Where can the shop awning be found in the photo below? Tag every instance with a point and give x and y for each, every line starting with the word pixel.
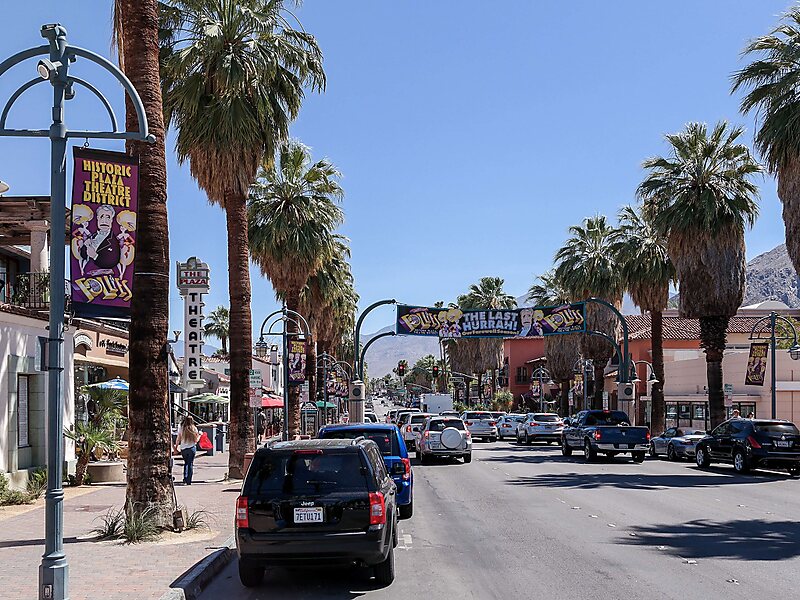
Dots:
pixel 271 402
pixel 174 388
pixel 209 399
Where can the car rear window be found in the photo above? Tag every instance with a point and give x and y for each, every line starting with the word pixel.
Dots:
pixel 418 418
pixel 616 417
pixel 301 473
pixel 442 424
pixel 479 415
pixel 385 439
pixel 783 428
pixel 545 418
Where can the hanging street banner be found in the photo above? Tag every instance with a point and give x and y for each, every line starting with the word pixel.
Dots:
pixel 105 193
pixel 297 362
pixel 484 323
pixel 757 364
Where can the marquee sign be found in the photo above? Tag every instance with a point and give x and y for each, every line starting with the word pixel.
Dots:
pixel 193 282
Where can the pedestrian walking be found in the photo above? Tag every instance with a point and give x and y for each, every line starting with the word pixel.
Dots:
pixel 736 414
pixel 262 424
pixel 186 444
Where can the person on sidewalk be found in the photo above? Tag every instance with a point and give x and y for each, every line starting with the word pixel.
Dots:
pixel 262 424
pixel 186 444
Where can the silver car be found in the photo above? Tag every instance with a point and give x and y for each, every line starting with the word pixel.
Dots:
pixel 444 436
pixel 480 424
pixel 507 425
pixel 676 443
pixel 546 427
pixel 411 426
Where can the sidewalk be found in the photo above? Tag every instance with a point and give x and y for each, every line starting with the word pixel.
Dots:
pixel 111 570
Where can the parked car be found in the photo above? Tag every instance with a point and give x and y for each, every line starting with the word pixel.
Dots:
pixel 394 451
pixel 539 427
pixel 507 425
pixel 480 424
pixel 604 431
pixel 752 443
pixel 370 417
pixel 445 436
pixel 411 426
pixel 676 443
pixel 305 499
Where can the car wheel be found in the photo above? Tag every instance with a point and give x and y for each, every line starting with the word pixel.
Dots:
pixel 407 510
pixel 565 449
pixel 740 462
pixel 384 571
pixel 588 452
pixel 519 439
pixel 671 454
pixel 250 574
pixel 468 458
pixel 528 440
pixel 653 453
pixel 638 457
pixel 701 458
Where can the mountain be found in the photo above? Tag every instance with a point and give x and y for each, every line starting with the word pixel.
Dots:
pixel 771 276
pixel 384 354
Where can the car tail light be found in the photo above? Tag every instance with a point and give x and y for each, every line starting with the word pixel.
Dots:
pixel 308 452
pixel 753 442
pixel 426 435
pixel 377 508
pixel 467 423
pixel 407 464
pixel 532 424
pixel 647 436
pixel 597 434
pixel 408 428
pixel 492 423
pixel 242 513
pixel 468 434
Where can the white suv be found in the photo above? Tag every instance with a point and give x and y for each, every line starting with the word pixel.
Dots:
pixel 410 428
pixel 546 427
pixel 446 437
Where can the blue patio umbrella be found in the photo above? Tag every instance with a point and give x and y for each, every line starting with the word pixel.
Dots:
pixel 112 384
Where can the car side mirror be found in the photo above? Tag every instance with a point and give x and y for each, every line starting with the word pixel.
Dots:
pixel 566 421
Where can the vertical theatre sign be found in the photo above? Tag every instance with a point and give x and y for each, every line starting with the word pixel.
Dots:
pixel 193 282
pixel 105 190
pixel 757 363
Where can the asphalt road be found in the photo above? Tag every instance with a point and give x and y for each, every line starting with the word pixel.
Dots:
pixel 521 522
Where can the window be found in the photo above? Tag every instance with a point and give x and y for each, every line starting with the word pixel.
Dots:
pixel 670 432
pixel 684 411
pixel 699 411
pixel 23 411
pixel 672 411
pixel 301 474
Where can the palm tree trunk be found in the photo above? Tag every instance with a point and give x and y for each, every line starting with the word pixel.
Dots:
pixel 242 434
pixel 224 341
pixel 713 335
pixel 311 375
pixel 658 411
pixel 150 439
pixel 293 418
pixel 599 384
pixel 789 193
pixel 81 465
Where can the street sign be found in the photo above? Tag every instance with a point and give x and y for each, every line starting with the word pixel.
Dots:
pixel 605 400
pixel 255 398
pixel 571 397
pixel 728 394
pixel 256 380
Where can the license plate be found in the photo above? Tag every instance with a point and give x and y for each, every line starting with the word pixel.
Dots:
pixel 308 515
pixel 548 426
pixel 782 443
pixel 435 445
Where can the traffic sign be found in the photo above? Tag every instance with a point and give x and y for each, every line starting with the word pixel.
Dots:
pixel 256 380
pixel 255 398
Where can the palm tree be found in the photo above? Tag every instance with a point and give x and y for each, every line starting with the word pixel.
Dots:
pixel 562 351
pixel 641 253
pixel 233 73
pixel 701 198
pixel 487 353
pixel 585 266
pixel 773 81
pixel 293 213
pixel 150 443
pixel 218 325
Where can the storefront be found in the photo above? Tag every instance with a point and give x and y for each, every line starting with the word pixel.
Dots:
pixel 693 413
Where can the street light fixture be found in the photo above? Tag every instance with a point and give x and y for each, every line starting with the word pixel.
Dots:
pixel 261 348
pixel 4 187
pixel 48 70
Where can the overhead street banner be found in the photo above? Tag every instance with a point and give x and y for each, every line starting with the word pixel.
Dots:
pixel 509 323
pixel 105 192
pixel 757 364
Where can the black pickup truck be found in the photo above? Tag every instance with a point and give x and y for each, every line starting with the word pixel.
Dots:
pixel 604 431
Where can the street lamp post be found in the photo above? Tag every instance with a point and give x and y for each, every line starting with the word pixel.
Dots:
pixel 283 316
pixel 357 331
pixel 364 351
pixel 541 373
pixel 766 325
pixel 584 367
pixel 54 571
pixel 651 378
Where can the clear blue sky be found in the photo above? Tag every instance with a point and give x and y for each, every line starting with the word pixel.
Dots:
pixel 471 134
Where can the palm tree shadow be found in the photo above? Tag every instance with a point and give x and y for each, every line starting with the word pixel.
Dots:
pixel 633 481
pixel 734 540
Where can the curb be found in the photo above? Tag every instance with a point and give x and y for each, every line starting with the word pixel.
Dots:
pixel 191 584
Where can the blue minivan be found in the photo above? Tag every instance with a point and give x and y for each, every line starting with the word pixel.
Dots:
pixel 395 455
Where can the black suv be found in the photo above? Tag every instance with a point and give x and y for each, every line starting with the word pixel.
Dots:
pixel 317 502
pixel 752 443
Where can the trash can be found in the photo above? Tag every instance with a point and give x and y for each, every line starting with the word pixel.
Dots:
pixel 220 441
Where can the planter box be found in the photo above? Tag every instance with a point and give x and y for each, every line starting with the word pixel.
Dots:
pixel 106 471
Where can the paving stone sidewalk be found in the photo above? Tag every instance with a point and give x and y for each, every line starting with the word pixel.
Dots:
pixel 110 570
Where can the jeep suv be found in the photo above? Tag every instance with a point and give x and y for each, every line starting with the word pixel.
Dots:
pixel 317 501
